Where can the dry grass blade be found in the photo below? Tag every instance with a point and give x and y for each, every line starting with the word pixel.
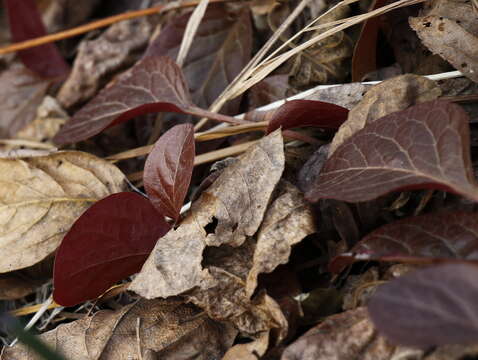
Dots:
pixel 97 25
pixel 191 30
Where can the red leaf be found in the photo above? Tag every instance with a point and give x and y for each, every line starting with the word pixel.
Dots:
pixel 26 23
pixel 364 59
pixel 299 113
pixel 448 235
pixel 168 170
pixel 424 147
pixel 109 242
pixel 222 48
pixel 433 306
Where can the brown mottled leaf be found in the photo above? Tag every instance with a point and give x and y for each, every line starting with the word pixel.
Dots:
pixel 385 98
pixel 21 92
pixel 168 329
pixel 222 47
pixel 98 59
pixel 449 29
pixel 42 196
pixel 212 247
pixel 429 307
pixel 168 170
pixel 425 146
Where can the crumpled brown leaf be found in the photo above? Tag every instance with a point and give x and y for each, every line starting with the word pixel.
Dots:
pixel 250 350
pixel 208 257
pixel 449 29
pixel 328 60
pixel 351 335
pixel 382 99
pixel 98 59
pixel 167 328
pixel 40 198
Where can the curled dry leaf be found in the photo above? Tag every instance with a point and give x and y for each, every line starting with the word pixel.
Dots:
pixel 98 59
pixel 154 84
pixel 114 237
pixel 299 113
pixel 227 214
pixel 21 92
pixel 26 23
pixel 385 98
pixel 222 48
pixel 429 307
pixel 449 29
pixel 168 170
pixel 425 146
pixel 168 329
pixel 445 235
pixel 42 196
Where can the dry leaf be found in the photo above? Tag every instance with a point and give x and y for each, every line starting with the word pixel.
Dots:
pixel 226 216
pixel 98 59
pixel 168 328
pixel 389 96
pixel 287 221
pixel 42 196
pixel 263 7
pixel 250 350
pixel 450 30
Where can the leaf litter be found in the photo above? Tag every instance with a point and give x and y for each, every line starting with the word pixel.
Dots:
pixel 351 241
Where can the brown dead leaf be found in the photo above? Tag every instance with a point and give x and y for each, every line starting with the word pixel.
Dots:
pixel 449 29
pixel 222 222
pixel 263 7
pixel 40 198
pixel 382 99
pixel 328 60
pixel 167 328
pixel 250 350
pixel 116 49
pixel 288 220
pixel 21 92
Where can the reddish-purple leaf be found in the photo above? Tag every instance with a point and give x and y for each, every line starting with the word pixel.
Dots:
pixel 222 47
pixel 432 306
pixel 26 23
pixel 447 235
pixel 426 146
pixel 168 170
pixel 299 113
pixel 109 242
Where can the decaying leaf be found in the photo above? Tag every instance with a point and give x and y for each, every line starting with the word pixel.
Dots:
pixel 425 146
pixel 250 350
pixel 221 48
pixel 210 253
pixel 167 328
pixel 429 307
pixel 114 237
pixel 42 196
pixel 21 92
pixel 168 170
pixel 288 220
pixel 98 59
pixel 385 98
pixel 449 29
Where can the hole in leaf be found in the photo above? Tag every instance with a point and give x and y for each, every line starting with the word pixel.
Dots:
pixel 211 227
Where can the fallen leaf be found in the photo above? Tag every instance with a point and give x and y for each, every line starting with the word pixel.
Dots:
pixel 167 328
pixel 222 48
pixel 300 113
pixel 250 350
pixel 26 23
pixel 42 196
pixel 212 247
pixel 168 170
pixel 272 88
pixel 425 146
pixel 385 98
pixel 450 31
pixel 429 307
pixel 98 59
pixel 263 7
pixel 288 220
pixel 21 92
pixel 113 241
